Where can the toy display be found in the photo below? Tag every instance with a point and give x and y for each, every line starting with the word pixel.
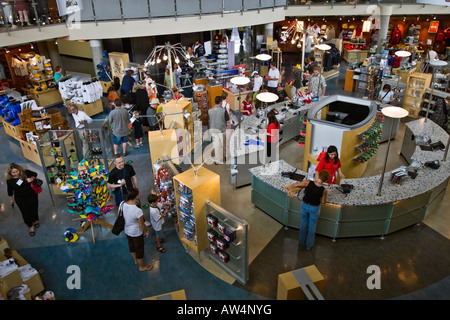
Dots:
pixel 89 194
pixel 164 186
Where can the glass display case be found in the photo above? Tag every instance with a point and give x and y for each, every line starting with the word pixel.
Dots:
pixel 228 241
pixel 58 152
pixel 96 143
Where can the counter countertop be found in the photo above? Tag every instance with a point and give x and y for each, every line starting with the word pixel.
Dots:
pixel 250 130
pixel 365 189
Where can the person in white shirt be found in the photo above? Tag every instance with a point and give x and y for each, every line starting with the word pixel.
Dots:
pixel 135 228
pixel 81 118
pixel 157 214
pixel 272 78
pixel 386 95
pixel 257 81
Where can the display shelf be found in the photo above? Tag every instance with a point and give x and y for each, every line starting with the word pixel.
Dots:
pixel 45 98
pixel 96 143
pixel 58 151
pixel 200 187
pixel 118 62
pixel 228 241
pixel 178 115
pixel 416 87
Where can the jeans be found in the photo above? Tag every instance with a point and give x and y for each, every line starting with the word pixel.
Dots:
pixel 310 214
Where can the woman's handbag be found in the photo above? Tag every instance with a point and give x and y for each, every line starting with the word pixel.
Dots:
pixel 36 185
pixel 119 224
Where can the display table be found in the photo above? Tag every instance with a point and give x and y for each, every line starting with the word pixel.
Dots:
pixel 233 98
pixel 45 98
pixel 360 212
pixel 355 55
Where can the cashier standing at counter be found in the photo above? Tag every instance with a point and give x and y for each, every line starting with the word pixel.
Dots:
pixel 331 163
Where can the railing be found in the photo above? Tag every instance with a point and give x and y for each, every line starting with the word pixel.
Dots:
pixel 346 2
pixel 104 10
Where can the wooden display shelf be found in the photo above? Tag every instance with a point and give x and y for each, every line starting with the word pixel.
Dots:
pixel 174 118
pixel 163 143
pixel 233 98
pixel 45 98
pixel 205 186
pixel 415 89
pixel 213 92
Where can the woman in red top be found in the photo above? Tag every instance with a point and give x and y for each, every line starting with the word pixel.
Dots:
pixel 272 133
pixel 331 163
pixel 247 105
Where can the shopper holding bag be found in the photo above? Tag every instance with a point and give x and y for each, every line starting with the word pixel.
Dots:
pixel 20 191
pixel 135 228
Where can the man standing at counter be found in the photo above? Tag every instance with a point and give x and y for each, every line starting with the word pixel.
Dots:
pixel 317 84
pixel 272 78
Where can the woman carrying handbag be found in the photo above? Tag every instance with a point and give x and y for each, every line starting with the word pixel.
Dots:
pixel 19 186
pixel 135 228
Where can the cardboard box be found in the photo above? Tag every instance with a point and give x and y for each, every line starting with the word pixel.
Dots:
pixel 289 288
pixel 14 279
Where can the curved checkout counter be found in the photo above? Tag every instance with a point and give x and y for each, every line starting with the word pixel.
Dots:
pixel 247 144
pixel 361 212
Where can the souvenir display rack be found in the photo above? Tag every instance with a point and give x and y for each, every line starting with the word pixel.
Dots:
pixel 228 241
pixel 416 88
pixel 193 188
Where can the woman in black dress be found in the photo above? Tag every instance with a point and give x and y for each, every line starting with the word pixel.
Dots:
pixel 18 182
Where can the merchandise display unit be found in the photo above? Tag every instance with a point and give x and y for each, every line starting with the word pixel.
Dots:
pixel 96 143
pixel 178 115
pixel 193 188
pixel 58 153
pixel 91 109
pixel 416 88
pixel 228 241
pixel 118 62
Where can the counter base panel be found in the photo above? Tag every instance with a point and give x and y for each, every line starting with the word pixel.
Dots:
pixel 338 221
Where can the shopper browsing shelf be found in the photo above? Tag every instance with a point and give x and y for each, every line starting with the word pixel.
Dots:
pixel 157 214
pixel 247 106
pixel 386 95
pixel 330 162
pixel 127 82
pixel 135 228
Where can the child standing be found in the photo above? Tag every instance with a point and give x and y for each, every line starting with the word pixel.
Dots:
pixel 138 129
pixel 157 219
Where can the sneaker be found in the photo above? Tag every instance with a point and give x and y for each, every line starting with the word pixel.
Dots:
pixel 137 146
pixel 141 144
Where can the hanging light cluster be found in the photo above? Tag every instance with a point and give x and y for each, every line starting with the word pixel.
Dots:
pixel 161 53
pixel 293 33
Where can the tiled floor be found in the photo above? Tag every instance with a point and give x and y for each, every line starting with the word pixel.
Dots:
pixel 414 261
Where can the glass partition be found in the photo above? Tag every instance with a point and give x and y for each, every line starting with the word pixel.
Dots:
pixel 58 151
pixel 96 143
